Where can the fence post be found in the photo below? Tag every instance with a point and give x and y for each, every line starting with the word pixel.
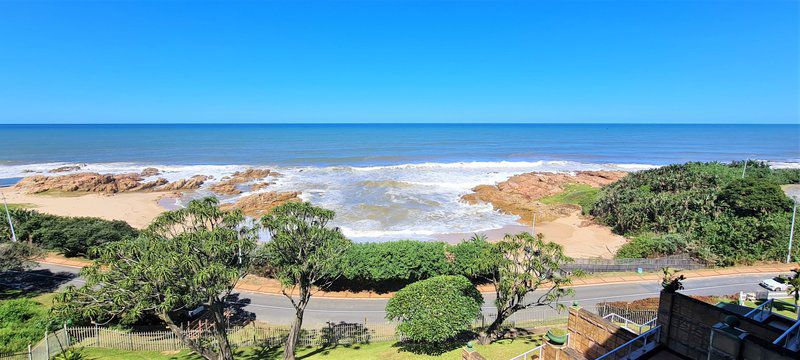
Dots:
pixel 97 335
pixel 30 355
pixel 130 341
pixel 46 344
pixel 66 335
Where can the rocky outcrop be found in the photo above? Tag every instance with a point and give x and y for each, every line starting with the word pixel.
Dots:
pixel 103 183
pixel 66 168
pixel 151 171
pixel 230 185
pixel 257 205
pixel 82 182
pixel 191 183
pixel 519 194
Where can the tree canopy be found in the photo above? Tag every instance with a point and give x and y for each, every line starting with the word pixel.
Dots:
pixel 186 258
pixel 436 309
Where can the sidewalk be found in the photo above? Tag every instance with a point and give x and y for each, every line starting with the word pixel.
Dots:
pixel 261 285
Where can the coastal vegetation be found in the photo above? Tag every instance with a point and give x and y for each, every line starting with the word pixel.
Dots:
pixel 391 265
pixel 303 253
pixel 721 213
pixel 22 319
pixel 526 264
pixel 187 258
pixel 578 194
pixel 452 303
pixel 72 236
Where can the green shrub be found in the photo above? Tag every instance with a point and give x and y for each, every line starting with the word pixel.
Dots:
pixel 653 245
pixel 722 217
pixel 22 321
pixel 403 262
pixel 72 236
pixel 436 309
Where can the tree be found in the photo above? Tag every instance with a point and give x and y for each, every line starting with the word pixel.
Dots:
pixel 527 263
pixel 16 255
pixel 670 280
pixel 436 309
pixel 185 259
pixel 303 253
pixel 794 288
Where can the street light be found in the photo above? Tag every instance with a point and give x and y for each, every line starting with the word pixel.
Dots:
pixel 791 231
pixel 8 216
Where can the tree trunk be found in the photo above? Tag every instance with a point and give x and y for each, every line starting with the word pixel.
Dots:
pixel 191 344
pixel 492 332
pixel 294 332
pixel 220 330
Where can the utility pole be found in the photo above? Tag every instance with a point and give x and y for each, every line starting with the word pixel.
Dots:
pixel 533 224
pixel 791 231
pixel 744 168
pixel 8 216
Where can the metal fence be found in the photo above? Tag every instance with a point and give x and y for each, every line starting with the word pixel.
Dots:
pixel 637 316
pixel 681 262
pixel 260 334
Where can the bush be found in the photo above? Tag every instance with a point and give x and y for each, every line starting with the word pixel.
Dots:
pixel 398 263
pixel 72 236
pixel 721 217
pixel 22 321
pixel 436 309
pixel 653 245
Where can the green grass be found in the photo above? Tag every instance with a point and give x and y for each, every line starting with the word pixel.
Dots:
pixel 20 206
pixel 501 350
pixel 579 194
pixel 778 307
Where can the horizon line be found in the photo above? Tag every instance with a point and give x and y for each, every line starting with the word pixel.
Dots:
pixel 398 123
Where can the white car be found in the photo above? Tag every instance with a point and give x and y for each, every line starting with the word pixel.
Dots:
pixel 775 284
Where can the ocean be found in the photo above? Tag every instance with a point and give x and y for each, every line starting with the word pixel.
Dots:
pixel 388 181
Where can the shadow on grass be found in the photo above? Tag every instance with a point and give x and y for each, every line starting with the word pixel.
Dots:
pixel 436 349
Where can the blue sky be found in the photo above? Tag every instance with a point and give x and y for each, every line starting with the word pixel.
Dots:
pixel 400 61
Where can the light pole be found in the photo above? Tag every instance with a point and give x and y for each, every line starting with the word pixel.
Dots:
pixel 8 216
pixel 791 231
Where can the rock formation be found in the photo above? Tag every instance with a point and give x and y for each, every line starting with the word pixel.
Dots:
pixel 230 185
pixel 257 205
pixel 66 168
pixel 151 171
pixel 191 183
pixel 103 183
pixel 519 194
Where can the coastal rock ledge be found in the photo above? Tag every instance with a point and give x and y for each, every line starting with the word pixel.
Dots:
pixel 259 204
pixel 104 183
pixel 519 194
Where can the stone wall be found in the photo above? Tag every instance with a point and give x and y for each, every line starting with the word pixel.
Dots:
pixel 686 325
pixel 592 336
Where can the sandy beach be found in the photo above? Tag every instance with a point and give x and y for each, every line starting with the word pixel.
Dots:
pixel 580 237
pixel 136 208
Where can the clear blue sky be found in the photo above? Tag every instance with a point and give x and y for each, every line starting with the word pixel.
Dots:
pixel 400 61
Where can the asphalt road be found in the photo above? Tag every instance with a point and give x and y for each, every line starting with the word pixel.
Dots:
pixel 277 309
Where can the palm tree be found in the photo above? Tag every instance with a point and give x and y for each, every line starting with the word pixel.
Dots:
pixel 794 288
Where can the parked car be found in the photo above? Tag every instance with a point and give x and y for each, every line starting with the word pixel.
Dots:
pixel 775 284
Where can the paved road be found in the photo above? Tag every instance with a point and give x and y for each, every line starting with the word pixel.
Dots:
pixel 277 309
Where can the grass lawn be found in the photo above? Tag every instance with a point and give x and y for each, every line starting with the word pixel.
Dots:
pixel 781 307
pixel 578 194
pixel 501 350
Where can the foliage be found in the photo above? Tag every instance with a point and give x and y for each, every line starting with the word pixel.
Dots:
pixel 528 263
pixel 436 309
pixel 16 255
pixel 70 354
pixel 794 286
pixel 73 236
pixel 721 217
pixel 403 262
pixel 652 245
pixel 579 194
pixel 185 259
pixel 671 281
pixel 22 321
pixel 303 252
